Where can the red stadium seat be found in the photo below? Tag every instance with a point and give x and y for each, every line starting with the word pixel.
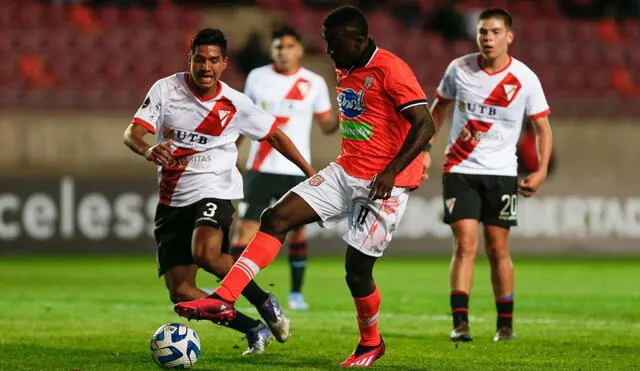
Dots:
pixel 54 18
pixel 29 15
pixel 589 55
pixel 547 8
pixel 630 29
pixel 633 56
pixel 7 10
pixel 165 16
pixel 565 55
pixel 583 31
pixel 109 16
pixel 136 18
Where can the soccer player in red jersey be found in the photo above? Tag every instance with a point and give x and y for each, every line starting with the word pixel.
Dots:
pixel 295 96
pixel 385 124
pixel 491 92
pixel 197 119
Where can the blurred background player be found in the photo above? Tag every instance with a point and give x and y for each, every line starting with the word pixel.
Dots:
pixel 491 92
pixel 294 95
pixel 385 124
pixel 197 119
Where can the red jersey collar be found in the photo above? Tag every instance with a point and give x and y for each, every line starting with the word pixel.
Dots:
pixel 496 72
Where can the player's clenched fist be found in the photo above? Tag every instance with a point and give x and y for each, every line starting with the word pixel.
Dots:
pixel 160 154
pixel 381 185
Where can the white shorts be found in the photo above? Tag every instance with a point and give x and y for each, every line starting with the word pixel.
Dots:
pixel 336 195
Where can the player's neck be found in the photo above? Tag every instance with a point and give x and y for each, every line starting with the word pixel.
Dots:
pixel 203 94
pixel 287 71
pixel 367 51
pixel 494 65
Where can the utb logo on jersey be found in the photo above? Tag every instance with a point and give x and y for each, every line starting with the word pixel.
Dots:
pixel 351 103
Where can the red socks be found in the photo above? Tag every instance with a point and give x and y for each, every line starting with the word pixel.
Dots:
pixel 260 252
pixel 367 314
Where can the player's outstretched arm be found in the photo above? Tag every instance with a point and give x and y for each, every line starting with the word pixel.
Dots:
pixel 530 184
pixel 283 144
pixel 420 134
pixel 134 139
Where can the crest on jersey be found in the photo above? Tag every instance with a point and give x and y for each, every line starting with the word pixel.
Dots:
pixel 218 118
pixel 316 180
pixel 390 206
pixel 449 204
pixel 505 92
pixel 299 90
pixel 462 106
pixel 509 90
pixel 303 86
pixel 351 103
pixel 368 81
pixel 225 116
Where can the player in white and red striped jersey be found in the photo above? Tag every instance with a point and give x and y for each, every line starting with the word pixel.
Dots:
pixel 197 119
pixel 490 92
pixel 294 95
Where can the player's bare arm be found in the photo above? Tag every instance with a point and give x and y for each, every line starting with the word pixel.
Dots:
pixel 530 184
pixel 283 144
pixel 439 111
pixel 239 140
pixel 421 132
pixel 134 139
pixel 328 122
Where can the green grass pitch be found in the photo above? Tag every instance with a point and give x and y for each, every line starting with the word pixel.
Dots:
pixel 98 313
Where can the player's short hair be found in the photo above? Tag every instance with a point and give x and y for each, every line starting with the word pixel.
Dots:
pixel 209 36
pixel 285 31
pixel 347 16
pixel 497 13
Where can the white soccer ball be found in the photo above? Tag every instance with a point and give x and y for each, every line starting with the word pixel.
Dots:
pixel 175 345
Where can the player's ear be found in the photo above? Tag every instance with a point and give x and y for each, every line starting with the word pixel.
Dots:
pixel 510 36
pixel 300 50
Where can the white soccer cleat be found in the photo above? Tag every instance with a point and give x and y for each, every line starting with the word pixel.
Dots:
pixel 461 333
pixel 296 301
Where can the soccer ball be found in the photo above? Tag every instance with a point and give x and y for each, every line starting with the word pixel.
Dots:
pixel 175 345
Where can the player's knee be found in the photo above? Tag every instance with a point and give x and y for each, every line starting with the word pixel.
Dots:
pixel 358 281
pixel 204 257
pixel 274 222
pixel 497 251
pixel 466 248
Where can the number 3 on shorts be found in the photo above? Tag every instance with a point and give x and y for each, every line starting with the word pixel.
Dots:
pixel 510 208
pixel 211 209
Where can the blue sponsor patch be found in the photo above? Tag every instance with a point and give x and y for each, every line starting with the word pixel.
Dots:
pixel 351 103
